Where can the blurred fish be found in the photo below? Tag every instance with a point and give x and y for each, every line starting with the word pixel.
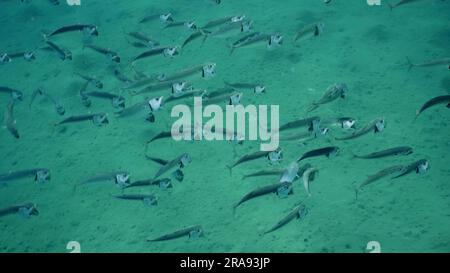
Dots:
pixel 378 176
pixel 146 41
pixel 308 176
pixel 232 28
pixel 434 101
pixel 299 212
pixel 26 55
pixel 307 31
pixel 306 122
pixel 10 121
pixel 401 2
pixel 443 62
pixel 16 95
pixel 188 24
pixel 179 162
pixel 92 80
pixel 192 232
pixel 223 20
pixel 419 166
pixel 59 108
pixel 148 199
pixel 257 38
pixel 90 30
pixel 117 101
pixel 166 51
pixel 26 210
pixel 63 53
pixel 40 175
pixel 272 188
pixel 401 150
pixel 257 88
pixel 120 178
pixel 163 183
pixel 377 126
pixel 163 18
pixel 111 55
pixel 327 151
pixel 335 91
pixel 253 156
pixel 98 119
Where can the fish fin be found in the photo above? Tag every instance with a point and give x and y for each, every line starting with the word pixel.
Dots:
pixel 410 64
pixel 230 168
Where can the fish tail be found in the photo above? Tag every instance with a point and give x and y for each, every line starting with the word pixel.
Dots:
pixel 230 168
pixel 410 64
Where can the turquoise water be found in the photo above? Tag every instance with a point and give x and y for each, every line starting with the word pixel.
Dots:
pixel 365 47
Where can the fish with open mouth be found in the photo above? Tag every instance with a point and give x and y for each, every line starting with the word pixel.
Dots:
pixel 377 176
pixel 377 126
pixel 257 38
pixel 272 156
pixel 10 121
pixel 207 70
pixel 111 55
pixel 335 91
pixel 147 199
pixel 16 95
pixel 120 178
pixel 258 88
pixel 192 232
pixel 92 80
pixel 312 30
pixel 25 210
pixel 117 101
pixel 306 122
pixel 59 108
pixel 191 25
pixel 299 212
pixel 40 175
pixel 329 152
pixel 401 150
pixel 98 119
pixel 434 101
pixel 63 53
pixel 89 30
pixel 143 39
pixel 419 166
pixel 272 188
pixel 166 51
pixel 179 163
pixel 443 62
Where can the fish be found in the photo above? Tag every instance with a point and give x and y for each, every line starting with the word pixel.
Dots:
pixel 165 134
pixel 121 77
pixel 92 80
pixel 40 175
pixel 164 18
pixel 59 108
pixel 272 188
pixel 306 122
pixel 279 172
pixel 299 212
pixel 181 161
pixel 432 102
pixel 377 126
pixel 199 33
pixel 148 199
pixel 191 231
pixel 121 178
pixel 257 88
pixel 256 38
pixel 10 121
pixel 132 110
pixel 223 20
pixel 401 150
pixel 188 24
pixel 185 94
pixel 166 51
pixel 118 101
pixel 224 98
pixel 219 92
pixel 89 29
pixel 147 41
pixel 250 157
pixel 26 55
pixel 400 3
pixel 232 28
pixel 162 183
pixel 377 176
pixel 419 166
pixel 307 177
pixel 207 70
pixel 335 91
pixel 113 56
pixel 327 151
pixel 26 210
pixel 443 61
pixel 290 173
pixel 311 30
pixel 14 93
pixel 98 119
pixel 154 87
pixel 345 123
pixel 63 54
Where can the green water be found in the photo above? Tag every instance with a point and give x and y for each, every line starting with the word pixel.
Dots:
pixel 363 46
